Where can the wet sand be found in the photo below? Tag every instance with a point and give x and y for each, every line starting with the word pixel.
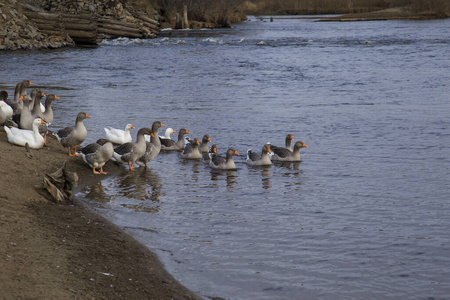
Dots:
pixel 55 251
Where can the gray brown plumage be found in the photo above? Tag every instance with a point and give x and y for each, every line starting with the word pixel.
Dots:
pixel 129 153
pixel 72 137
pixel 153 147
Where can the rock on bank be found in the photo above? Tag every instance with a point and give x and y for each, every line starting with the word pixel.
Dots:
pixel 27 24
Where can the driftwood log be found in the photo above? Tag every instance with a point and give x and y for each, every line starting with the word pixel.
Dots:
pixel 60 184
pixel 113 28
pixel 84 29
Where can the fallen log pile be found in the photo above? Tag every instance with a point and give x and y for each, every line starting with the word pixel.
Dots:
pixel 86 29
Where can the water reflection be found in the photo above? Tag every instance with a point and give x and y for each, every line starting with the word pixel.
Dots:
pixel 142 184
pixel 97 192
pixel 230 177
pixel 139 190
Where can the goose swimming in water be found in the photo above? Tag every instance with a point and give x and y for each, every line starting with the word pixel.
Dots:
pixel 283 154
pixel 168 145
pixel 191 150
pixel 218 162
pixel 254 159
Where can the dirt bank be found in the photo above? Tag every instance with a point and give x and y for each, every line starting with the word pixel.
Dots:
pixel 51 251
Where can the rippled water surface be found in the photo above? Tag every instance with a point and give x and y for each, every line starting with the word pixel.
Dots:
pixel 366 212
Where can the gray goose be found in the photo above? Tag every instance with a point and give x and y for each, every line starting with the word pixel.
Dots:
pixel 282 154
pixel 168 145
pixel 17 103
pixel 204 144
pixel 191 150
pixel 47 116
pixel 72 137
pixel 97 154
pixel 129 153
pixel 254 159
pixel 26 118
pixel 48 113
pixel 36 109
pixel 218 162
pixel 153 147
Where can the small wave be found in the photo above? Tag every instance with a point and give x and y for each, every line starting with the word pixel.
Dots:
pixel 121 41
pixel 262 43
pixel 214 40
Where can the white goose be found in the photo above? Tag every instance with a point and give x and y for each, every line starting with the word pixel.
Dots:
pixel 22 137
pixel 166 136
pixel 6 111
pixel 119 136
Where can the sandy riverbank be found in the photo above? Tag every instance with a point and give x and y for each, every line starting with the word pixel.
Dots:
pixel 51 251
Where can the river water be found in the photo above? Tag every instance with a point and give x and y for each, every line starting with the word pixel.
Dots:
pixel 366 214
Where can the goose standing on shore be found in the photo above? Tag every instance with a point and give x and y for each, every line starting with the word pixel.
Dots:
pixel 129 153
pixel 97 154
pixel 36 105
pixel 47 116
pixel 26 118
pixel 48 113
pixel 283 154
pixel 72 137
pixel 254 159
pixel 191 150
pixel 153 147
pixel 6 111
pixel 30 113
pixel 218 162
pixel 20 91
pixel 119 136
pixel 21 137
pixel 168 145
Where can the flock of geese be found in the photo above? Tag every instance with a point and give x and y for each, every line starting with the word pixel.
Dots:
pixel 26 122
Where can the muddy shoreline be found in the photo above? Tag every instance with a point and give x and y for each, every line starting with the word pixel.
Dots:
pixel 56 251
